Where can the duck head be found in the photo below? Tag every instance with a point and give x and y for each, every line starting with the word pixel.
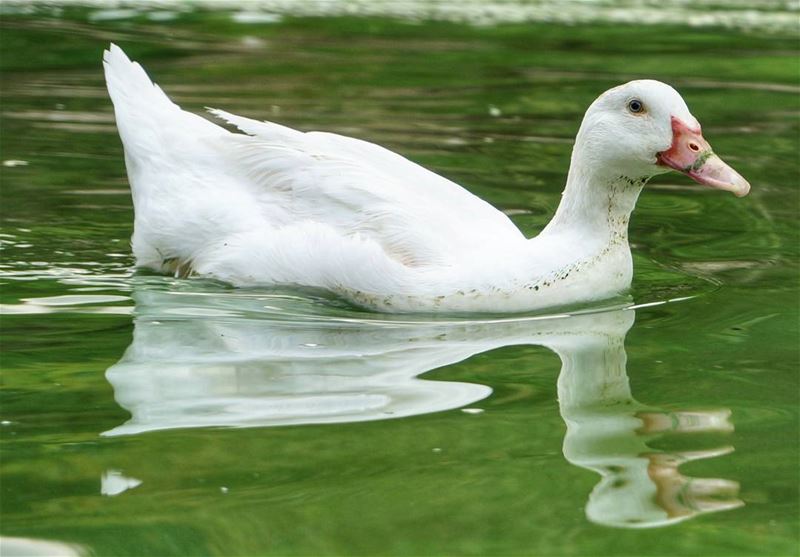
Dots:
pixel 644 128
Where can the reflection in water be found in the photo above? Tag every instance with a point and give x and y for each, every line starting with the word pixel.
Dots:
pixel 29 547
pixel 609 432
pixel 192 365
pixel 198 361
pixel 113 482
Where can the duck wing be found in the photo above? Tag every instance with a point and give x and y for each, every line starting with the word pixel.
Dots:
pixel 360 188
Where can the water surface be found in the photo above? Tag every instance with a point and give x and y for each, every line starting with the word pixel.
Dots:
pixel 146 415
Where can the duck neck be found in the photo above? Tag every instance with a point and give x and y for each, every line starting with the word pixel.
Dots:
pixel 596 204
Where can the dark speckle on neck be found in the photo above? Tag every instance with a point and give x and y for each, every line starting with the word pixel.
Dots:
pixel 632 181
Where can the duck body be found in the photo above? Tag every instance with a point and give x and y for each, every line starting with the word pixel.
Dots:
pixel 275 206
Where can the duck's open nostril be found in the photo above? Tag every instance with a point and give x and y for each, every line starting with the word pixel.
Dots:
pixel 694 147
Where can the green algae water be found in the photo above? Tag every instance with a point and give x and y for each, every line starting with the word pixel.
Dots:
pixel 148 415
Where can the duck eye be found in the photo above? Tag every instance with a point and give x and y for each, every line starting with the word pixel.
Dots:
pixel 635 106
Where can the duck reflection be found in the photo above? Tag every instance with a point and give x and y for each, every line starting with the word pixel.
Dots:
pixel 609 432
pixel 245 361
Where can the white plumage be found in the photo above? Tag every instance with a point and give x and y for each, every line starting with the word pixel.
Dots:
pixel 275 206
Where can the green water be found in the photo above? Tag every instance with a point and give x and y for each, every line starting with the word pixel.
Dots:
pixel 144 415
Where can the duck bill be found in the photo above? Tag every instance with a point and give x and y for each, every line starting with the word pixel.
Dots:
pixel 691 154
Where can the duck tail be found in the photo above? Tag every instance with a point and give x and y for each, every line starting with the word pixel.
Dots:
pixel 144 113
pixel 128 84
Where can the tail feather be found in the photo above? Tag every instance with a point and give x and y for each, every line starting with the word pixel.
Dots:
pixel 148 121
pixel 269 131
pixel 128 84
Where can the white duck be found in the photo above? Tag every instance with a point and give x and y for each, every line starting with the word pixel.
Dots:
pixel 282 207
